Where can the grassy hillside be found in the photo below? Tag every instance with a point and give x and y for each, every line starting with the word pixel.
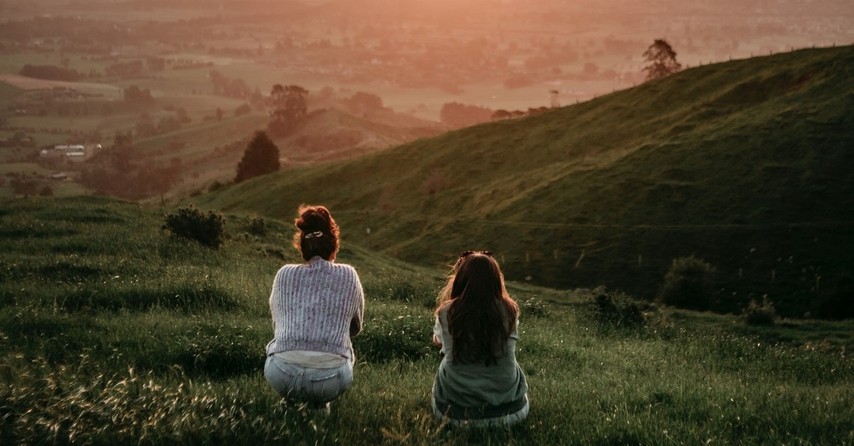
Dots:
pixel 7 92
pixel 111 331
pixel 330 134
pixel 745 164
pixel 210 151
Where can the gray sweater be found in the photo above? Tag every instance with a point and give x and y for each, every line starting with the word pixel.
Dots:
pixel 316 306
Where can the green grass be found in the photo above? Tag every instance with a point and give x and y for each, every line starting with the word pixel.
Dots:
pixel 744 164
pixel 112 331
pixel 7 92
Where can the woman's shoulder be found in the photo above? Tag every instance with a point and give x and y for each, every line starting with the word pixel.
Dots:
pixel 442 311
pixel 344 268
pixel 318 265
pixel 288 268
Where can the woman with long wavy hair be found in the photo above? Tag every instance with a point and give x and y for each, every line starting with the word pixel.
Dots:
pixel 479 382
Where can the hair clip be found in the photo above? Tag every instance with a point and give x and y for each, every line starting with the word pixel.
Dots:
pixel 314 234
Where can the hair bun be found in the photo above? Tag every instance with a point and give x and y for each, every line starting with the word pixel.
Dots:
pixel 313 220
pixel 318 233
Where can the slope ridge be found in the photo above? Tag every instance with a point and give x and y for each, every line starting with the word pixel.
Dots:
pixel 722 161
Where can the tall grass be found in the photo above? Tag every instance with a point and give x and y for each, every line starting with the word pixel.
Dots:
pixel 113 332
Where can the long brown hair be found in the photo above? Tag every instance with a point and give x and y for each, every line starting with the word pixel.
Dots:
pixel 481 314
pixel 318 233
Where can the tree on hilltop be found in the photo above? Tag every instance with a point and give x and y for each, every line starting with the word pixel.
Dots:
pixel 363 103
pixel 289 109
pixel 260 158
pixel 662 60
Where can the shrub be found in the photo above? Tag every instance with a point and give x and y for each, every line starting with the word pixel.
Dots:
pixel 689 284
pixel 256 225
pixel 194 224
pixel 215 186
pixel 615 308
pixel 760 314
pixel 534 307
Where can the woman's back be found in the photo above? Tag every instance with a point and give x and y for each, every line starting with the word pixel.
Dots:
pixel 313 306
pixel 479 380
pixel 477 384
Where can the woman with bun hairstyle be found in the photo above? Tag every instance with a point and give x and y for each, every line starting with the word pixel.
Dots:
pixel 479 382
pixel 316 307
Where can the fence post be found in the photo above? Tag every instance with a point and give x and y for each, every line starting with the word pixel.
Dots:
pixel 578 262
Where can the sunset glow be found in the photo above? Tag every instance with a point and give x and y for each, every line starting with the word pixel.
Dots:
pixel 556 222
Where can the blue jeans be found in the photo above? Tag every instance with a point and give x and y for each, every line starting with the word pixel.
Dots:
pixel 306 384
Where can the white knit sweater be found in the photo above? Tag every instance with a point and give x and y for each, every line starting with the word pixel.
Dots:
pixel 313 305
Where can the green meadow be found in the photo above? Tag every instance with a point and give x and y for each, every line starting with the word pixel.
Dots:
pixel 113 331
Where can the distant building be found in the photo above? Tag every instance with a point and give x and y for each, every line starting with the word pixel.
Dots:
pixel 70 151
pixel 70 148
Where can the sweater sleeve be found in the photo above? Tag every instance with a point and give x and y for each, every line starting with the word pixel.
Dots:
pixel 358 296
pixel 274 301
pixel 276 307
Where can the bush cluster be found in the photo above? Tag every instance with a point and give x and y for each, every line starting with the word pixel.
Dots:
pixel 256 225
pixel 760 314
pixel 534 307
pixel 194 224
pixel 615 308
pixel 689 284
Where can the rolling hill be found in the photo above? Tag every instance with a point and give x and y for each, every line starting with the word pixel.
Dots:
pixel 209 151
pixel 746 164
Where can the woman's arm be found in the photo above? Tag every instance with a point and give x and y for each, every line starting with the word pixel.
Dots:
pixel 358 317
pixel 355 326
pixel 437 333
